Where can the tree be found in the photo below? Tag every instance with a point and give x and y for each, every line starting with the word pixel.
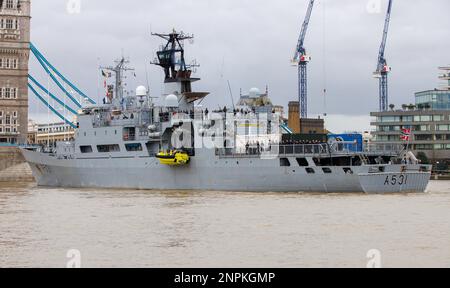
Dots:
pixel 411 107
pixel 392 106
pixel 423 158
pixel 404 107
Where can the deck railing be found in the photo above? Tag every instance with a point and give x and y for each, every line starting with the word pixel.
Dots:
pixel 318 150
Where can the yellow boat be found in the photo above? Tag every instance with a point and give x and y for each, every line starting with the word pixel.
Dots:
pixel 173 158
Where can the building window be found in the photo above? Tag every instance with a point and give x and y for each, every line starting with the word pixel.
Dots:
pixel 9 4
pixel 390 119
pixel 423 118
pixel 7 93
pixel 422 128
pixel 424 137
pixel 1 113
pixel 8 120
pixel 388 128
pixel 15 114
pixel 443 127
pixel 407 119
pixel 7 63
pixel 14 63
pixel 9 24
pixel 438 118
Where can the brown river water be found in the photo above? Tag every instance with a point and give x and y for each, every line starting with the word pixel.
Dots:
pixel 115 228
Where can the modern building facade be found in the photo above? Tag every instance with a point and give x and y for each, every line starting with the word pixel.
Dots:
pixel 429 120
pixel 430 130
pixel 14 55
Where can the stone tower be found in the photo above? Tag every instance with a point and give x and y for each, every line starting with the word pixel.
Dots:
pixel 14 55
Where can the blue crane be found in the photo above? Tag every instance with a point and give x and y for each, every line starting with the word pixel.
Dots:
pixel 383 69
pixel 302 59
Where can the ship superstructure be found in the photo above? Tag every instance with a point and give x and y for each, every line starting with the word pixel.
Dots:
pixel 131 142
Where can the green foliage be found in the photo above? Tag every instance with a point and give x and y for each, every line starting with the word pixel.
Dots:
pixel 423 158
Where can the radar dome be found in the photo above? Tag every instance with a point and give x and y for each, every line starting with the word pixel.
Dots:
pixel 141 91
pixel 254 93
pixel 171 101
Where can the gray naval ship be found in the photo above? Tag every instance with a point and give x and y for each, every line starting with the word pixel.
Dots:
pixel 133 142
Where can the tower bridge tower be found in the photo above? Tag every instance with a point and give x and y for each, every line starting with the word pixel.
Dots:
pixel 14 55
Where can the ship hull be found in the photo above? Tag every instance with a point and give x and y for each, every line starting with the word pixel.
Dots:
pixel 246 175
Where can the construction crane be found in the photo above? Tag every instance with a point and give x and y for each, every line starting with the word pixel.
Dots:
pixel 383 69
pixel 302 59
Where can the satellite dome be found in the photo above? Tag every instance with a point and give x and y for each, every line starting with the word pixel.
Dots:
pixel 141 91
pixel 171 101
pixel 254 93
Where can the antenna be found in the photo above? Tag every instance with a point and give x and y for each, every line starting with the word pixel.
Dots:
pixel 146 76
pixel 118 70
pixel 231 94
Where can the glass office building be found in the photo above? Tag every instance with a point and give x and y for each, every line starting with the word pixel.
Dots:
pixel 433 99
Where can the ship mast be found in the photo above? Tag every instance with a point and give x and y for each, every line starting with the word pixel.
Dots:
pixel 178 80
pixel 171 57
pixel 119 71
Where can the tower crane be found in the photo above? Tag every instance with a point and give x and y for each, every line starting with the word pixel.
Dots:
pixel 383 69
pixel 302 59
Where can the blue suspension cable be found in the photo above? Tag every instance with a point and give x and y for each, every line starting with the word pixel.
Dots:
pixel 52 95
pixel 50 107
pixel 38 54
pixel 56 80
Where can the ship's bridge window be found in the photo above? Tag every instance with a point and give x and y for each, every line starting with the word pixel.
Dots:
pixel 129 133
pixel 348 171
pixel 86 149
pixel 134 147
pixel 310 171
pixel 327 170
pixel 284 162
pixel 302 162
pixel 108 148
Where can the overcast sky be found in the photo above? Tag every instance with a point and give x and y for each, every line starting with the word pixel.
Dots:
pixel 250 43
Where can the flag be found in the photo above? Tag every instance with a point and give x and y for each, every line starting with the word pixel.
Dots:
pixel 106 74
pixel 406 134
